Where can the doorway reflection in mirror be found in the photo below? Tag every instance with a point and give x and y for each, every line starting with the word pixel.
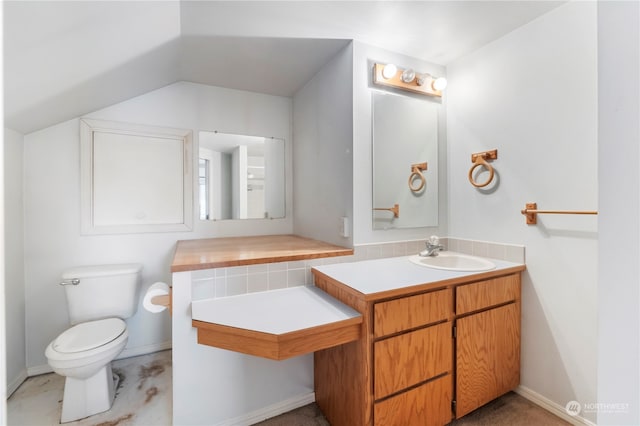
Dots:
pixel 241 176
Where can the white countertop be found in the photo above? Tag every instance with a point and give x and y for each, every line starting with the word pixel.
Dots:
pixel 275 311
pixel 380 275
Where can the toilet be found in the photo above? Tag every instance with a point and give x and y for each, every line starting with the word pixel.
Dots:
pixel 98 299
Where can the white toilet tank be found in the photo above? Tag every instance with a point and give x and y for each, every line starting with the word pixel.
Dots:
pixel 102 291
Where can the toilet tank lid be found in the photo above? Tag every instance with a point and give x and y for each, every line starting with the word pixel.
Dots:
pixel 102 270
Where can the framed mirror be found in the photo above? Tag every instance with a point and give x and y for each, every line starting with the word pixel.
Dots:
pixel 240 176
pixel 405 162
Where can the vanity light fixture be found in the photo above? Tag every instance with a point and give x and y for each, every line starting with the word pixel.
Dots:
pixel 408 75
pixel 439 83
pixel 407 79
pixel 389 71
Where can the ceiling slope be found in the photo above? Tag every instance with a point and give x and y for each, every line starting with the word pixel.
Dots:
pixel 65 59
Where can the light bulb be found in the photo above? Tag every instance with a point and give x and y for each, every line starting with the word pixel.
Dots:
pixel 408 75
pixel 422 78
pixel 389 71
pixel 439 83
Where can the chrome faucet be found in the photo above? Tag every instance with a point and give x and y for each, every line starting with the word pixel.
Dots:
pixel 433 246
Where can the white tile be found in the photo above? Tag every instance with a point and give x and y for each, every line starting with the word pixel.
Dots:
pixel 277 279
pixel 254 269
pixel 203 289
pixel 373 252
pixel 236 285
pixel 221 287
pixel 496 251
pixel 295 277
pixel 257 282
pixel 278 266
pixel 480 248
pixel 465 246
pixel 296 265
pixel 386 250
pixel 202 274
pixel 236 270
pixel 400 249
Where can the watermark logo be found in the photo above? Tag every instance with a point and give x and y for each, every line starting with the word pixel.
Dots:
pixel 573 408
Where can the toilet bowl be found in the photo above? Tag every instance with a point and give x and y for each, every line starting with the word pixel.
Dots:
pixel 83 354
pixel 99 298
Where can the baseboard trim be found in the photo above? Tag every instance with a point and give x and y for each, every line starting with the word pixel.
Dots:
pixel 38 370
pixel 144 350
pixel 16 382
pixel 126 353
pixel 270 411
pixel 552 407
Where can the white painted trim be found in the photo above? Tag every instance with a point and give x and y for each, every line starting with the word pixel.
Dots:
pixel 16 382
pixel 126 353
pixel 144 350
pixel 270 411
pixel 38 370
pixel 551 406
pixel 88 128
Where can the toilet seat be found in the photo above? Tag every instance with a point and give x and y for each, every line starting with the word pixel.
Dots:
pixel 89 335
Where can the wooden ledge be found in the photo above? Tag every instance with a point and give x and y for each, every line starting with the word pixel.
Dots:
pixel 277 324
pixel 191 255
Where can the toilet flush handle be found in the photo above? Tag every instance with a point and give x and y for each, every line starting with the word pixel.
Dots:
pixel 73 281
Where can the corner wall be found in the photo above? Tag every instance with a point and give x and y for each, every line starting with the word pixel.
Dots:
pixel 14 287
pixel 619 204
pixel 532 94
pixel 323 160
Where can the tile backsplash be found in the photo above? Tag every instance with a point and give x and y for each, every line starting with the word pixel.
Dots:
pixel 223 282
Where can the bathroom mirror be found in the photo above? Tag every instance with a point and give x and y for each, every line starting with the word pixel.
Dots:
pixel 240 176
pixel 405 162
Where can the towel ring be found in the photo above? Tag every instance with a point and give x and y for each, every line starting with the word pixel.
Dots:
pixel 479 159
pixel 416 173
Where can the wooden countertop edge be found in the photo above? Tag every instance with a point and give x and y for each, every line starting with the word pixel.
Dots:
pixel 256 261
pixel 279 346
pixel 241 251
pixel 418 288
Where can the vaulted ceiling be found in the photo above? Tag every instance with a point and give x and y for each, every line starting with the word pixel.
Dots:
pixel 65 59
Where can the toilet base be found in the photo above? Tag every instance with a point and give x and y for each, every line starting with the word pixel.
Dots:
pixel 84 398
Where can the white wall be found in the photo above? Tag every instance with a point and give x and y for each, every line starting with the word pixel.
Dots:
pixel 51 194
pixel 322 166
pixel 619 207
pixel 14 259
pixel 363 58
pixel 533 95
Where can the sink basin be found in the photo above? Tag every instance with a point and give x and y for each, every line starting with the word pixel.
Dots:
pixel 453 261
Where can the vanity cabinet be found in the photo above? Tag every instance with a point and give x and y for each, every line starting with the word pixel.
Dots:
pixel 487 341
pixel 429 353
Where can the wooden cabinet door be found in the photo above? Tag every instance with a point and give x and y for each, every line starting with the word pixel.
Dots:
pixel 426 405
pixel 487 356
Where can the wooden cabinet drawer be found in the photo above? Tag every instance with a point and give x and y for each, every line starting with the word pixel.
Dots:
pixel 484 294
pixel 412 311
pixel 426 405
pixel 411 358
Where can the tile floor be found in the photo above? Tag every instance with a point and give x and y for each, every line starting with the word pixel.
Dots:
pixel 143 396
